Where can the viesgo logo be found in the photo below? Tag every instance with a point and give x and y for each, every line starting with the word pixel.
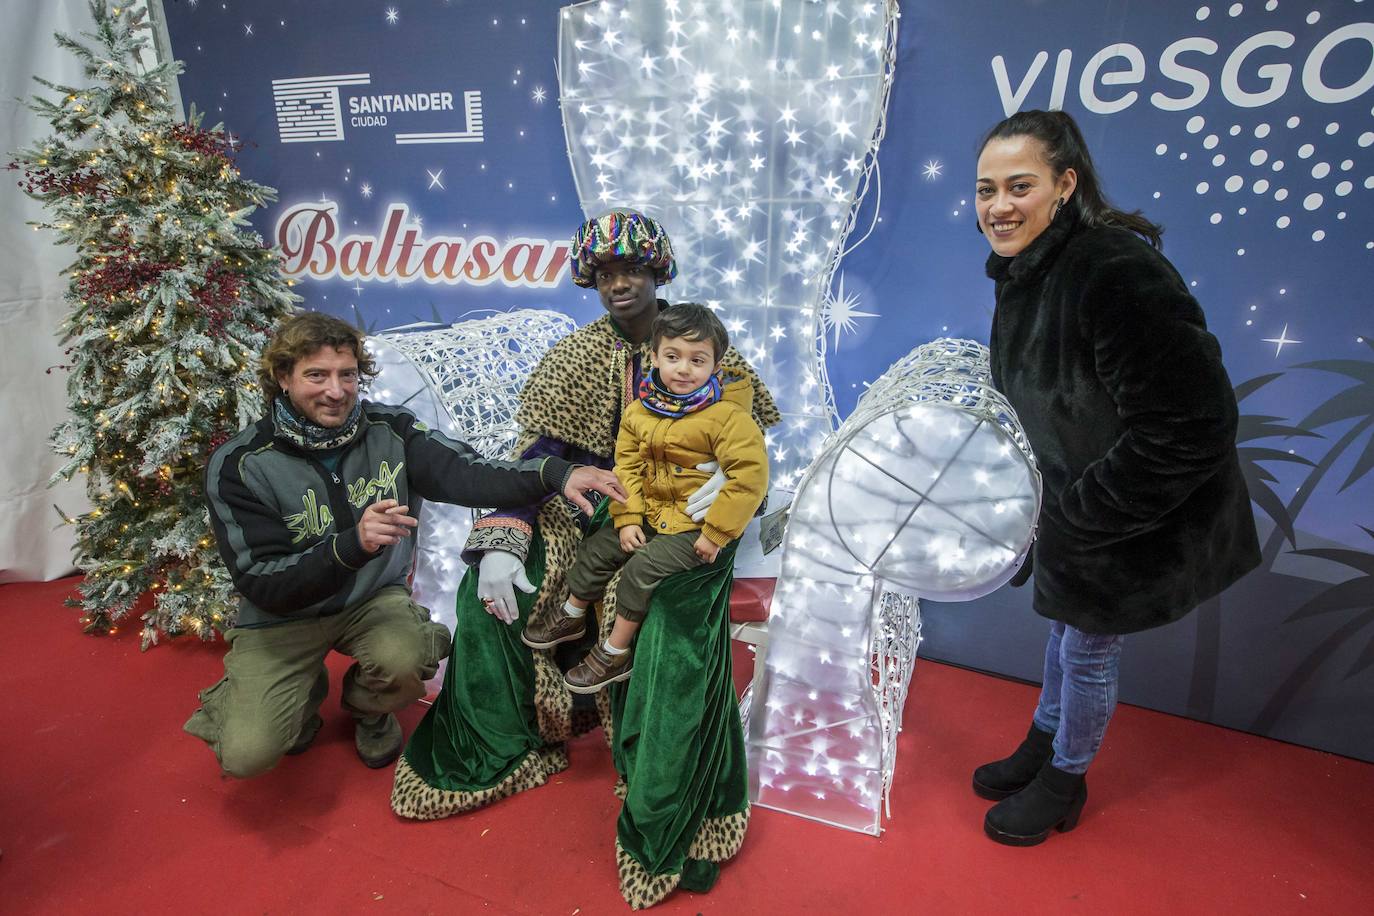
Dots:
pixel 1258 61
pixel 310 110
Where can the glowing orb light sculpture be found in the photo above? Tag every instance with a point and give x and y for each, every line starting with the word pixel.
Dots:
pixel 463 380
pixel 928 489
pixel 749 129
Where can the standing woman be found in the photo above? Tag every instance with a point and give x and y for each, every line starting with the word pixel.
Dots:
pixel 1122 394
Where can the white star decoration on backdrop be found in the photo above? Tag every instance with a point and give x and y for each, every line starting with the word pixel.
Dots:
pixel 434 179
pixel 392 14
pixel 1281 341
pixel 840 310
pixel 932 170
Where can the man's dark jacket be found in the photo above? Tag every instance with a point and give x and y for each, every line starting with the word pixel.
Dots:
pixel 287 525
pixel 1121 391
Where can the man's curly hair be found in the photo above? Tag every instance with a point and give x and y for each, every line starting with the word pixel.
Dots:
pixel 302 335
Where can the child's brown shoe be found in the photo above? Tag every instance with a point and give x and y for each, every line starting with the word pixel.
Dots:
pixel 598 669
pixel 557 628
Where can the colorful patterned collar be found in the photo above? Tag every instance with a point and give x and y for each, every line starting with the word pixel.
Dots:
pixel 657 398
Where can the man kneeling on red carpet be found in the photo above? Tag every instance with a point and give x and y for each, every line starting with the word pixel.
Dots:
pixel 313 507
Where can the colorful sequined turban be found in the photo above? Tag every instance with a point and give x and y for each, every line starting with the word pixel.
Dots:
pixel 621 234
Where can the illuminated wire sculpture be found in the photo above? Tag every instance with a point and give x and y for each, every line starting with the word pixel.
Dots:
pixel 928 489
pixel 464 380
pixel 749 129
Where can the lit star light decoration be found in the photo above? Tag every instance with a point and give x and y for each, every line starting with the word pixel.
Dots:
pixel 463 380
pixel 928 489
pixel 749 128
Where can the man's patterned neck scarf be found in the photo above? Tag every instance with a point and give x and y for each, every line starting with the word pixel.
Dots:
pixel 299 431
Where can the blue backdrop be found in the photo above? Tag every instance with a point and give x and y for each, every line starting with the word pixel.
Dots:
pixel 1244 128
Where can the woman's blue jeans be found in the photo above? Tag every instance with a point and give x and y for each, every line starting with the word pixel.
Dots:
pixel 1079 694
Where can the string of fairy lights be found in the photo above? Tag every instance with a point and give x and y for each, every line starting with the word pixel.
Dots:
pixel 928 489
pixel 750 129
pixel 171 295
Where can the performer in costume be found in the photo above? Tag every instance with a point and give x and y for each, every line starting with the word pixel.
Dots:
pixel 499 724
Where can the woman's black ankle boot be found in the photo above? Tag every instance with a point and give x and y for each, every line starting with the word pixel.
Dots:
pixel 1053 800
pixel 1003 778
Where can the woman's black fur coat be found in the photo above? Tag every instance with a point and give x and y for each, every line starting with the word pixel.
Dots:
pixel 1122 394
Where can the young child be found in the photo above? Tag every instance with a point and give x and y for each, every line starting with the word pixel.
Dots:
pixel 686 415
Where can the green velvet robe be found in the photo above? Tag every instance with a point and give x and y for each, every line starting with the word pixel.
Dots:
pixel 499 724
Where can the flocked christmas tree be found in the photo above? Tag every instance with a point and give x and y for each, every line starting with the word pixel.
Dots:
pixel 171 297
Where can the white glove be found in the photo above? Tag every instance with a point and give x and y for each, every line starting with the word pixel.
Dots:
pixel 701 500
pixel 498 575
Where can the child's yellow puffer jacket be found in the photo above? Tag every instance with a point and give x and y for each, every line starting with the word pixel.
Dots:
pixel 656 459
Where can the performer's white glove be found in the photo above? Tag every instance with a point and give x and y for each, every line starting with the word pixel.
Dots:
pixel 701 500
pixel 498 575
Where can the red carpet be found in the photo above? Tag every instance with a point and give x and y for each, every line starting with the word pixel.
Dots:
pixel 107 807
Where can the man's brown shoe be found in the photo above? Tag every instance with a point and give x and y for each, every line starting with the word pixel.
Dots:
pixel 545 634
pixel 598 669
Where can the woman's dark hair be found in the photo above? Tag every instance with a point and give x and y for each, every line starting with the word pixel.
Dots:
pixel 690 321
pixel 1065 149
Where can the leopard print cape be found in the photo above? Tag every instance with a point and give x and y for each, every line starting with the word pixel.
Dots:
pixel 585 381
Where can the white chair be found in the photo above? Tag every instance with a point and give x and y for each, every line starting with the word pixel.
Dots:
pixel 465 380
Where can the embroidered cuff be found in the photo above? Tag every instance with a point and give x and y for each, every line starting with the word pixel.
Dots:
pixel 498 533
